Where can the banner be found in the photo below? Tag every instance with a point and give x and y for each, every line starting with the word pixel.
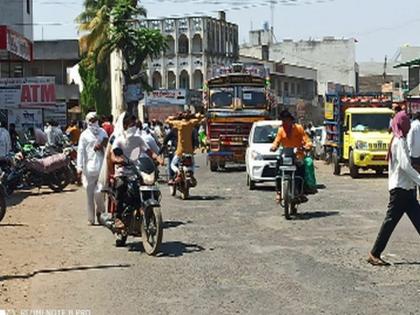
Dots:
pixel 57 113
pixel 329 110
pixel 33 92
pixel 166 97
pixel 25 118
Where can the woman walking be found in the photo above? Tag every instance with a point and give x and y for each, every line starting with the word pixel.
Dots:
pixel 403 179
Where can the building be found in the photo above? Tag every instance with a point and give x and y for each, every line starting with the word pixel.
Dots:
pixel 18 15
pixel 335 59
pixel 383 84
pixel 196 44
pixel 294 88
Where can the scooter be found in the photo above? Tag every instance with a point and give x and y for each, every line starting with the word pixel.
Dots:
pixel 186 177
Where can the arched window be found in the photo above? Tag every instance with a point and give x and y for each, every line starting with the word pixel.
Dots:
pixel 171 46
pixel 184 80
pixel 198 80
pixel 197 44
pixel 183 46
pixel 156 80
pixel 171 80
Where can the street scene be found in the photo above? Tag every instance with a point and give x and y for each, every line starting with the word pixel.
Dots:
pixel 199 157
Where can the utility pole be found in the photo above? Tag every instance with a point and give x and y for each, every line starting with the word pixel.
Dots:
pixel 272 6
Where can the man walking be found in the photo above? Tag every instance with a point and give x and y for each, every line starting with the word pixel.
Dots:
pixel 402 184
pixel 90 156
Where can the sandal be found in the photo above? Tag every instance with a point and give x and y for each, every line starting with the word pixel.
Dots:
pixel 376 261
pixel 278 198
pixel 119 224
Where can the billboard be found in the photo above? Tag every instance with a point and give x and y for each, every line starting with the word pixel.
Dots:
pixel 32 92
pixel 166 97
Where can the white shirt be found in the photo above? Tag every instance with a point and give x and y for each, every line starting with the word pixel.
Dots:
pixel 90 161
pixel 5 142
pixel 54 135
pixel 132 145
pixel 150 141
pixel 401 173
pixel 413 139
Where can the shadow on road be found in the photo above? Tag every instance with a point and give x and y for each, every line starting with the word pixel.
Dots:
pixel 233 169
pixel 50 192
pixel 205 198
pixel 59 270
pixel 315 215
pixel 174 224
pixel 13 225
pixel 177 249
pixel 407 263
pixel 17 197
pixel 366 176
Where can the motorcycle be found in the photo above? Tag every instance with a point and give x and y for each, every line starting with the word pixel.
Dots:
pixel 292 185
pixel 186 175
pixel 51 171
pixel 141 216
pixel 2 197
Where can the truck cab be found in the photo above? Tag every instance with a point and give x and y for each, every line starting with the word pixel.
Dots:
pixel 366 138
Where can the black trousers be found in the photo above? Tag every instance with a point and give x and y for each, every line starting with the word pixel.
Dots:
pixel 121 193
pixel 401 201
pixel 300 172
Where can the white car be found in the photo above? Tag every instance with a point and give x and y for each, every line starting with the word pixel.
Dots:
pixel 261 163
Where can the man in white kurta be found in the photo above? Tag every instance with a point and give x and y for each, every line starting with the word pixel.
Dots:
pixel 90 156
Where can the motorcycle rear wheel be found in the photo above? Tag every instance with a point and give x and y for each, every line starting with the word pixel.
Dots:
pixel 172 189
pixel 2 207
pixel 152 230
pixel 59 180
pixel 185 193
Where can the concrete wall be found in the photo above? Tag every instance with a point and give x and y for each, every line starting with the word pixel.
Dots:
pixel 57 50
pixel 335 59
pixel 14 13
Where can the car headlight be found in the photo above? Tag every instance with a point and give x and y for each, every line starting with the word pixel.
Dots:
pixel 256 156
pixel 361 145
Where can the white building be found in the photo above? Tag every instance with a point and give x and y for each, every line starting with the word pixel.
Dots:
pixel 18 15
pixel 335 59
pixel 196 44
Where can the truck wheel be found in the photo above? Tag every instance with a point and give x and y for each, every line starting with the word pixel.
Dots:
pixel 380 171
pixel 336 164
pixel 250 183
pixel 354 170
pixel 213 166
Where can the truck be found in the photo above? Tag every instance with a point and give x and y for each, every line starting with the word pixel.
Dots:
pixel 358 135
pixel 234 99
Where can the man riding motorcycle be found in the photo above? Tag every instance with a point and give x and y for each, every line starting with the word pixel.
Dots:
pixel 291 135
pixel 130 145
pixel 185 124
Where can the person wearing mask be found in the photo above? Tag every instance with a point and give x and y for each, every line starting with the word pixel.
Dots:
pixel 90 156
pixel 148 138
pixel 39 136
pixel 129 144
pixel 54 134
pixel 185 124
pixel 14 137
pixel 5 142
pixel 291 135
pixel 73 132
pixel 107 125
pixel 402 182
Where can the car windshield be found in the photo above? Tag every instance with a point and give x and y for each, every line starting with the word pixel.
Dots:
pixel 265 134
pixel 253 97
pixel 370 122
pixel 221 97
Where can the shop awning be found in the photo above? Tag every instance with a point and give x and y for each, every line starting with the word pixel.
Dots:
pixel 411 63
pixel 14 46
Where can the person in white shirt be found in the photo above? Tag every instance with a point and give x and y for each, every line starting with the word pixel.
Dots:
pixel 129 144
pixel 413 140
pixel 403 179
pixel 90 156
pixel 5 141
pixel 54 134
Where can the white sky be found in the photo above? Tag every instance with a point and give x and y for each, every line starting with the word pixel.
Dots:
pixel 380 26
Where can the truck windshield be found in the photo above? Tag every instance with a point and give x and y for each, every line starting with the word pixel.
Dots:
pixel 265 134
pixel 221 98
pixel 370 122
pixel 253 97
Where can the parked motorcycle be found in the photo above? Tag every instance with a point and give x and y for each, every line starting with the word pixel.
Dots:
pixel 292 185
pixel 141 216
pixel 2 197
pixel 186 175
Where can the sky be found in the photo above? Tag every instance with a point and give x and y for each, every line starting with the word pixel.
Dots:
pixel 379 26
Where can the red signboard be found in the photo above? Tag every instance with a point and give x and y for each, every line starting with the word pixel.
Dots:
pixel 15 43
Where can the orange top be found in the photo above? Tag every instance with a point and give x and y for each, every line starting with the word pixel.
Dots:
pixel 185 129
pixel 296 139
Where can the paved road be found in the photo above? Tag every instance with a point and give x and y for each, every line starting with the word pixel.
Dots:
pixel 227 250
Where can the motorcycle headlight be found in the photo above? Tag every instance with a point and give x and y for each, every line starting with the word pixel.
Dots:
pixel 256 156
pixel 148 179
pixel 361 145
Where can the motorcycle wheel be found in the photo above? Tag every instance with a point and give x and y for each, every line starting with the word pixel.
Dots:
pixel 172 189
pixel 2 207
pixel 59 181
pixel 293 208
pixel 185 193
pixel 286 199
pixel 121 240
pixel 151 230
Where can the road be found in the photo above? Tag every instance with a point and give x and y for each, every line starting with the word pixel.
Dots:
pixel 227 250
